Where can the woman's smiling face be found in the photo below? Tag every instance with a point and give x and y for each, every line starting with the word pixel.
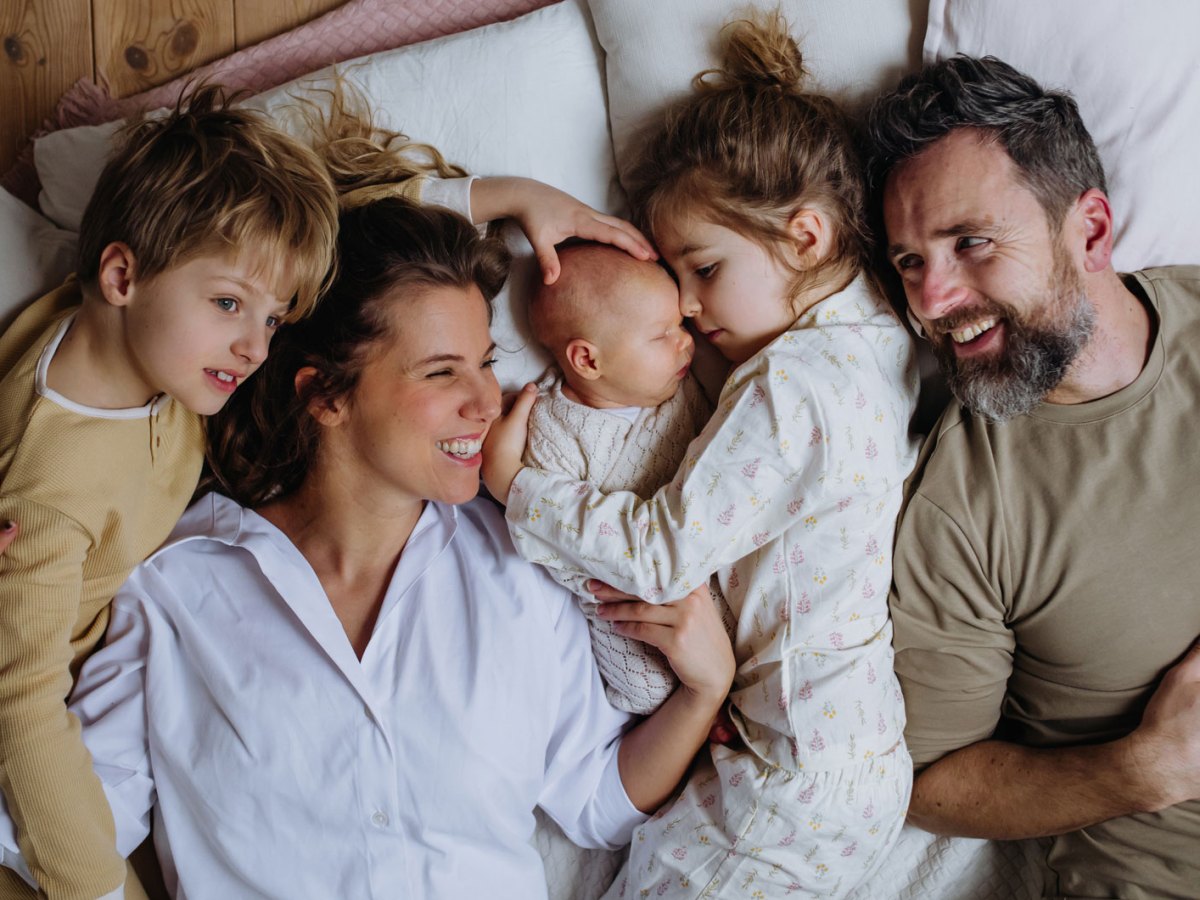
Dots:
pixel 425 398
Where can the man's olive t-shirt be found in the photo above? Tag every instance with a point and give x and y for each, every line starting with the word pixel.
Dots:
pixel 1048 572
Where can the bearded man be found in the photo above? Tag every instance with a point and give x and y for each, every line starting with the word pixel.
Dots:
pixel 1046 571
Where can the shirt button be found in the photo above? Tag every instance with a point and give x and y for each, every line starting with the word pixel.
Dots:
pixel 379 817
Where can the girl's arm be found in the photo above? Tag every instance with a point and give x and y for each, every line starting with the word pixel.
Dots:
pixel 755 470
pixel 549 216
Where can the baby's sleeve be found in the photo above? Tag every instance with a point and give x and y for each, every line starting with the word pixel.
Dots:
pixel 637 677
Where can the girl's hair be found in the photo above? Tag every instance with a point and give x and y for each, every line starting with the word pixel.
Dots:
pixel 264 442
pixel 750 147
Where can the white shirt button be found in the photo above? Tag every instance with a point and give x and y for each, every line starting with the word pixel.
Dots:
pixel 379 817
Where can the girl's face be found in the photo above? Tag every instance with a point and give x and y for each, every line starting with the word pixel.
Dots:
pixel 734 290
pixel 413 428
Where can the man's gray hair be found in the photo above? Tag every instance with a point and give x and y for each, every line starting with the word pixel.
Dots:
pixel 1040 129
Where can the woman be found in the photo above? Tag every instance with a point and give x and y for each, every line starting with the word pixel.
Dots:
pixel 348 684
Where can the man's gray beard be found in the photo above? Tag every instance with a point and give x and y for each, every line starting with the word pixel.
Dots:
pixel 1035 360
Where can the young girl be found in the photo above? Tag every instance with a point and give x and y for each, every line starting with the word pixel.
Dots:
pixel 790 493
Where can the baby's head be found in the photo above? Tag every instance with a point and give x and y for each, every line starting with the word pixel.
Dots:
pixel 753 192
pixel 613 325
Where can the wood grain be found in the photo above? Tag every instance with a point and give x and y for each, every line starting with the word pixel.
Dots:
pixel 46 47
pixel 256 20
pixel 142 43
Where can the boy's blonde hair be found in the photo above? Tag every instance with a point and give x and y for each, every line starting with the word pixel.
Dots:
pixel 750 147
pixel 211 178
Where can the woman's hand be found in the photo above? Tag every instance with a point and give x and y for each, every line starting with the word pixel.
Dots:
pixel 504 446
pixel 549 216
pixel 689 632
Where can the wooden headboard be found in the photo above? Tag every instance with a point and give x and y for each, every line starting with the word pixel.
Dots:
pixel 130 45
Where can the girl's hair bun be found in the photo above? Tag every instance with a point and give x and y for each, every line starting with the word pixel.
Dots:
pixel 758 52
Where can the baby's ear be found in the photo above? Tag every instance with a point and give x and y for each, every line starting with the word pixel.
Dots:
pixel 811 232
pixel 583 357
pixel 116 274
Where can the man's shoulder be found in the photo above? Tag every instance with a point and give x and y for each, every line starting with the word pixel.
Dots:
pixel 1167 284
pixel 958 458
pixel 1186 274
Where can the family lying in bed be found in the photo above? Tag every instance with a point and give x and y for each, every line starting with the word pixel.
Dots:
pixel 340 677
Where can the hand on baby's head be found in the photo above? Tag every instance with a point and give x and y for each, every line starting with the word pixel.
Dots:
pixel 613 324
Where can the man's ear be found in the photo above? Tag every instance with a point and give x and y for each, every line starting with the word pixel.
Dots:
pixel 327 412
pixel 584 358
pixel 811 234
pixel 1092 215
pixel 117 273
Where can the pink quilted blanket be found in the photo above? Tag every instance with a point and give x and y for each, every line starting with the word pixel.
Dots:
pixel 356 29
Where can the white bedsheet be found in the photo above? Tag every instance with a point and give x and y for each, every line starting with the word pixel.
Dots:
pixel 922 867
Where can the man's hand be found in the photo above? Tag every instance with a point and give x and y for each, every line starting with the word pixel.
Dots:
pixel 1165 747
pixel 504 446
pixel 549 216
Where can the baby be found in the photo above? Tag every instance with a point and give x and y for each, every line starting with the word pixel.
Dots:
pixel 619 413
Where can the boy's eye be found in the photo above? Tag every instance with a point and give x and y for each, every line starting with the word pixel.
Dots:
pixel 908 261
pixel 274 321
pixel 706 271
pixel 228 304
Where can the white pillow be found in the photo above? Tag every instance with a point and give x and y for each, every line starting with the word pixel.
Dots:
pixel 1134 70
pixel 524 97
pixel 35 256
pixel 853 49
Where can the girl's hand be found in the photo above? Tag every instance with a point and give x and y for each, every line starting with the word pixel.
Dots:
pixel 504 446
pixel 549 216
pixel 689 632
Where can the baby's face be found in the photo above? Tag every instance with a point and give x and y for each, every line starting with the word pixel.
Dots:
pixel 646 356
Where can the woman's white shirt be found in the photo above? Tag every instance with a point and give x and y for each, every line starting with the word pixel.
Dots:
pixel 285 767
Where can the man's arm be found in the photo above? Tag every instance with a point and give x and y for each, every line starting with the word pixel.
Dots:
pixel 999 790
pixel 954 657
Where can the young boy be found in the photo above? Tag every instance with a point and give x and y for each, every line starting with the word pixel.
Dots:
pixel 207 228
pixel 620 413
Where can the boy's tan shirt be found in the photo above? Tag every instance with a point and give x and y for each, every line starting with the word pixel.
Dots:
pixel 94 495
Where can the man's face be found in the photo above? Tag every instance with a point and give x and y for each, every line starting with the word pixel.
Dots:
pixel 996 291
